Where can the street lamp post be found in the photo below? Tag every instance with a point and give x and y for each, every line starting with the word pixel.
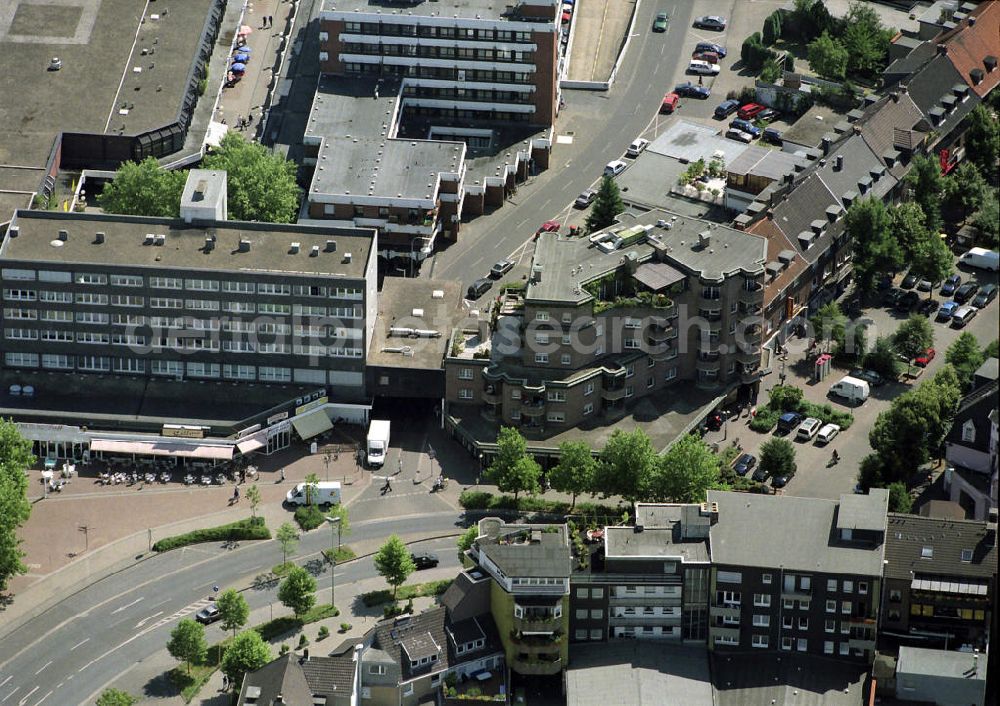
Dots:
pixel 334 522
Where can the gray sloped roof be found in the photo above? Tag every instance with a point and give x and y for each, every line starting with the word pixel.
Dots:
pixel 908 535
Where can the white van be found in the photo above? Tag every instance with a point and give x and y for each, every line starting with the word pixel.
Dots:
pixel 697 66
pixel 982 258
pixel 322 493
pixel 851 389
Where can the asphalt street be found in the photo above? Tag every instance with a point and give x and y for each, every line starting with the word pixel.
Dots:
pixel 87 640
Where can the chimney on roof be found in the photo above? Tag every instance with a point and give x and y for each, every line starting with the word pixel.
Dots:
pixel 972 21
pixel 331 246
pixel 314 251
pixel 942 49
pixel 209 243
pixel 990 62
pixel 98 237
pixel 64 235
pixel 244 245
pixel 293 248
pixel 705 238
pixel 838 163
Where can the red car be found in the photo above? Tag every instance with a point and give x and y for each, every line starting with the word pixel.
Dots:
pixel 550 227
pixel 670 102
pixel 750 111
pixel 709 56
pixel 927 357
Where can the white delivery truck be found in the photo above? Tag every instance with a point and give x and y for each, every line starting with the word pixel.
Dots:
pixel 378 442
pixel 982 258
pixel 851 389
pixel 322 493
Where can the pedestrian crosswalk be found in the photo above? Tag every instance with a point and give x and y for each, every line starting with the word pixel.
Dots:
pixel 182 613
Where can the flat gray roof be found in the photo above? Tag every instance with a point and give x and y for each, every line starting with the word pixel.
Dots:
pixel 785 679
pixel 525 550
pixel 626 542
pixel 399 299
pixel 359 156
pixel 863 512
pixel 658 275
pixel 941 663
pixel 769 163
pixel 690 141
pixel 184 247
pixel 809 129
pixel 203 186
pixel 477 9
pixel 648 180
pixel 784 531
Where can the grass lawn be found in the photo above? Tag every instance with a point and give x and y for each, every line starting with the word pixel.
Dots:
pixel 413 590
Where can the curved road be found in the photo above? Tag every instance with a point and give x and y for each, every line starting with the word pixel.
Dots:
pixel 87 640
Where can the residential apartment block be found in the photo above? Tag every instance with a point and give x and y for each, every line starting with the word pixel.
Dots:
pixel 940 582
pixel 606 320
pixel 796 574
pixel 647 581
pixel 529 568
pixel 971 451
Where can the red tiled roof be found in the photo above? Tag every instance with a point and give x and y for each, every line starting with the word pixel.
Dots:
pixel 969 45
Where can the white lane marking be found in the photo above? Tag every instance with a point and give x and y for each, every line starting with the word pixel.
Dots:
pixel 119 610
pixel 4 682
pixel 201 586
pixel 44 697
pixel 16 689
pixel 145 620
pixel 27 696
pixel 42 668
pixel 86 639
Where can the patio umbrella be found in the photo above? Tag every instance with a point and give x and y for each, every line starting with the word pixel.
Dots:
pixel 238 68
pixel 241 58
pixel 244 50
pixel 245 30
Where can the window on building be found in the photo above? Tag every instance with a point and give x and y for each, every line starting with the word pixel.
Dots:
pixel 580 634
pixel 465 373
pixel 863 588
pixel 786 643
pixel 969 432
pixel 967 555
pixel 465 394
pixel 761 620
pixel 927 553
pixel 831 585
pixel 596 614
pixel 803 623
pixel 786 622
pixel 845 607
pixel 565 359
pixel 588 409
pixel 765 578
pixel 762 600
pixel 541 357
pixel 848 587
pixel 588 389
pixel 581 613
pixel 828 647
pixel 582 593
pixel 802 644
pixel 895 595
pixel 831 606
pixel 760 641
pixel 845 648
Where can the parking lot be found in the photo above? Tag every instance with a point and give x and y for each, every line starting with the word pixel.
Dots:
pixel 816 476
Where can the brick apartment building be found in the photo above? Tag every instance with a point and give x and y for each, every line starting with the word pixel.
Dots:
pixel 607 320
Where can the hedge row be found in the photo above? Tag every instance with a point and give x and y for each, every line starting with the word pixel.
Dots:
pixel 482 500
pixel 250 528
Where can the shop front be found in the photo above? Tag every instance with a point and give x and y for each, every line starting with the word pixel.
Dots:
pixel 56 441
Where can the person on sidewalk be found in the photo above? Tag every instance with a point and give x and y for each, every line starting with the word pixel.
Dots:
pixel 236 494
pixel 282 475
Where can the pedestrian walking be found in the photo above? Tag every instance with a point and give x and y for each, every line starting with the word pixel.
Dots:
pixel 282 475
pixel 236 494
pixel 225 683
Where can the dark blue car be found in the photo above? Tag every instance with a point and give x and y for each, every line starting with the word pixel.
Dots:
pixel 692 90
pixel 745 126
pixel 726 108
pixel 710 46
pixel 951 284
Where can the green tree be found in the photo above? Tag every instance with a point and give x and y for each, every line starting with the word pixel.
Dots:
pixel 987 222
pixel 144 189
pixel 684 473
pixel 15 458
pixel 871 472
pixel 607 205
pixel 627 461
pixel 913 337
pixel 343 520
pixel 965 192
pixel 772 72
pixel 187 642
pixel 394 563
pixel 827 57
pixel 777 457
pixel 931 259
pixel 899 498
pixel 809 19
pixel 927 184
pixel 865 39
pixel 233 610
pixel 246 653
pixel 311 481
pixel 964 355
pixel 992 349
pixel 466 540
pixel 116 697
pixel 513 470
pixel 785 398
pixel 908 226
pixel 253 497
pixel 298 591
pixel 876 251
pixel 576 470
pixel 288 538
pixel 261 183
pixel 829 325
pixel 883 359
pixel 772 28
pixel 982 139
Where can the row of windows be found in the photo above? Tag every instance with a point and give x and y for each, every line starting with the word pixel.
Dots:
pixel 468 94
pixel 491 54
pixel 349 293
pixel 139 366
pixel 389 29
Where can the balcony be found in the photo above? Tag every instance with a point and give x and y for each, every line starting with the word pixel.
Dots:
pixel 730 632
pixel 537 622
pixel 666 353
pixel 536 666
pixel 748 355
pixel 750 374
pixel 861 644
pixel 724 610
pixel 629 620
pixel 532 408
pixel 538 644
pixel 631 599
pixel 796 594
pixel 614 394
pixel 660 334
pixel 751 294
pixel 492 395
pixel 750 308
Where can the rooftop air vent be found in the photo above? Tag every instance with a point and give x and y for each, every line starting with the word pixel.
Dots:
pixel 347 258
pixel 98 237
pixel 331 246
pixel 64 235
pixel 160 239
pixel 149 239
pixel 293 248
pixel 209 244
pixel 244 245
pixel 314 251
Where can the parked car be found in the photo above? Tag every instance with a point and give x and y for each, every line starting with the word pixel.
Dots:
pixel 987 294
pixel 709 56
pixel 951 284
pixel 924 285
pixel 947 310
pixel 909 282
pixel 208 615
pixel 869 376
pixel 907 301
pixel 660 23
pixel 750 111
pixel 550 227
pixel 670 103
pixel 744 464
pixel 745 126
pixel 769 114
pixel 501 268
pixel 890 296
pixel 697 66
pixel 711 46
pixel 808 428
pixel 479 288
pixel 963 315
pixel 851 389
pixel 614 168
pixel 772 136
pixel 714 22
pixel 585 198
pixel 966 292
pixel 780 481
pixel 726 108
pixel 424 560
pixel 692 90
pixel 928 306
pixel 789 421
pixel 637 146
pixel 923 360
pixel 734 134
pixel 981 258
pixel 826 434
pixel 759 475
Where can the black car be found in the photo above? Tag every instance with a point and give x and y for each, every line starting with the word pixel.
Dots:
pixel 987 294
pixel 760 475
pixel 692 90
pixel 928 306
pixel 951 284
pixel 869 376
pixel 768 115
pixel 779 481
pixel 772 136
pixel 208 615
pixel 966 292
pixel 479 288
pixel 890 296
pixel 907 301
pixel 726 108
pixel 744 463
pixel 711 46
pixel 910 281
pixel 424 560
